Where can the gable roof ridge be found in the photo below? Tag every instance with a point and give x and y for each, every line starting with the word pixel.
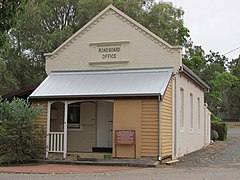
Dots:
pixel 122 16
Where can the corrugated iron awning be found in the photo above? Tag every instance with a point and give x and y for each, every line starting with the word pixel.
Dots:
pixel 117 83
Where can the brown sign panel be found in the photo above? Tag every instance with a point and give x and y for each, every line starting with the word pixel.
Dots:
pixel 125 137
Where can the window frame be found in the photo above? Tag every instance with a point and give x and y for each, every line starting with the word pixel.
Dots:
pixel 198 114
pixel 182 109
pixel 72 109
pixel 191 112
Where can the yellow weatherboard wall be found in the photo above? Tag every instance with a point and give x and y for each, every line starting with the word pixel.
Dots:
pixel 127 116
pixel 166 123
pixel 149 127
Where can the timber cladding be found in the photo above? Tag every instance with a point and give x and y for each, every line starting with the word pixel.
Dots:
pixel 166 122
pixel 149 127
pixel 127 116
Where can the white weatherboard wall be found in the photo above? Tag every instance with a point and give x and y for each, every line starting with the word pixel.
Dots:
pixel 187 139
pixel 111 29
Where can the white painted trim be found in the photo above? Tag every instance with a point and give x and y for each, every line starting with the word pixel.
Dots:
pixel 173 117
pixel 75 101
pixel 205 124
pixel 159 129
pixel 48 128
pixel 104 43
pixel 65 129
pixel 109 62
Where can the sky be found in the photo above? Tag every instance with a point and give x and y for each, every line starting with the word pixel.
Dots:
pixel 213 24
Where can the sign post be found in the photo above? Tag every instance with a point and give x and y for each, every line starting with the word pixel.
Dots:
pixel 125 137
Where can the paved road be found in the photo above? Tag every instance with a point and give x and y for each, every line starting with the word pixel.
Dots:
pixel 167 173
pixel 220 161
pixel 234 132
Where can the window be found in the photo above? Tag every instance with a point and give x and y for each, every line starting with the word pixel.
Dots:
pixel 198 114
pixel 182 107
pixel 191 112
pixel 74 115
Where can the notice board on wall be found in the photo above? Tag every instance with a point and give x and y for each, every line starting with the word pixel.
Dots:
pixel 125 137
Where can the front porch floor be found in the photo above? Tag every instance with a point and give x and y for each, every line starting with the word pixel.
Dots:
pixel 80 156
pixel 141 162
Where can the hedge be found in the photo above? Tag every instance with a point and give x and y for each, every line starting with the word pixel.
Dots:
pixel 221 128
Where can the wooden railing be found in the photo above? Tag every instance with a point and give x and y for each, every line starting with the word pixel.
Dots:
pixel 56 141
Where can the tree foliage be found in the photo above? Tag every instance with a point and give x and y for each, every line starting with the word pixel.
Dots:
pixel 20 139
pixel 166 21
pixel 212 68
pixel 9 10
pixel 234 96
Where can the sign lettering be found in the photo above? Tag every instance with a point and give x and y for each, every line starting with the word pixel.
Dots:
pixel 125 136
pixel 109 52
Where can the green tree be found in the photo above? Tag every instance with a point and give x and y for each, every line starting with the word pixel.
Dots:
pixel 9 9
pixel 20 139
pixel 7 80
pixel 194 58
pixel 234 66
pixel 221 85
pixel 166 21
pixel 234 96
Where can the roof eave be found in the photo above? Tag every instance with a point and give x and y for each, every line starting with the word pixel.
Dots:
pixel 95 96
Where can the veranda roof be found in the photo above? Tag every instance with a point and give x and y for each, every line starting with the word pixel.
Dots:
pixel 114 83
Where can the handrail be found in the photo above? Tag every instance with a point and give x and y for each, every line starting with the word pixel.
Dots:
pixel 56 141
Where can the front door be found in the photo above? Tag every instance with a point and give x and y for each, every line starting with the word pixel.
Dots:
pixel 104 124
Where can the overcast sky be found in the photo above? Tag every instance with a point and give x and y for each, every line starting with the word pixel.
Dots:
pixel 213 24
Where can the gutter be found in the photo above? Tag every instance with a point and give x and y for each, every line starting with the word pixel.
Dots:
pixel 159 128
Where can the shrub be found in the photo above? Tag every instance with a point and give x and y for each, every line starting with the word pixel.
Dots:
pixel 215 119
pixel 20 138
pixel 221 128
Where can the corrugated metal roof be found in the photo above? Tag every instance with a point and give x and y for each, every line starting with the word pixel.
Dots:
pixel 148 82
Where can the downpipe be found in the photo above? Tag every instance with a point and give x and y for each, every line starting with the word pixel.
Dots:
pixel 159 128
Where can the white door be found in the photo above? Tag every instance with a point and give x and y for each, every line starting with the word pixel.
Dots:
pixel 104 124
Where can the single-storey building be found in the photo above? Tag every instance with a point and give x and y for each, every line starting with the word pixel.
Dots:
pixel 21 93
pixel 116 87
